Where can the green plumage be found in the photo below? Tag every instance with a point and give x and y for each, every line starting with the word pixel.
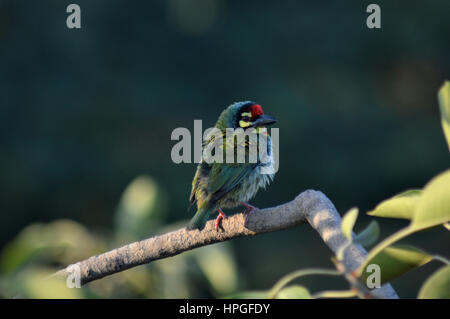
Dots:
pixel 226 185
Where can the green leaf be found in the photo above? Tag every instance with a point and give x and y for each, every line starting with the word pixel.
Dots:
pixel 293 292
pixel 437 286
pixel 280 284
pixel 400 206
pixel 434 206
pixel 348 221
pixel 141 209
pixel 249 295
pixel 444 106
pixel 37 283
pixel 395 261
pixel 341 251
pixel 335 294
pixel 218 266
pixel 61 241
pixel 369 235
pixel 433 209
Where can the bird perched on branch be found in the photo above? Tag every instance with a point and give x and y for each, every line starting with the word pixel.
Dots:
pixel 221 184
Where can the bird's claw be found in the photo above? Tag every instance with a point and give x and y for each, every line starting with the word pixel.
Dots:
pixel 248 210
pixel 219 218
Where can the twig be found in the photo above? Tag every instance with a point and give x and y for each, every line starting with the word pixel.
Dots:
pixel 300 273
pixel 310 206
pixel 334 294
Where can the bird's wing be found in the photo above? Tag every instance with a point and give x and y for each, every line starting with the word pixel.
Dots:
pixel 223 178
pixel 195 183
pixel 194 187
pixel 202 169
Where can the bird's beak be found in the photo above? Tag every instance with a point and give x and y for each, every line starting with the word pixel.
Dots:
pixel 264 120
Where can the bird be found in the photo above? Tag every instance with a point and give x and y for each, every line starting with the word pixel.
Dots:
pixel 218 184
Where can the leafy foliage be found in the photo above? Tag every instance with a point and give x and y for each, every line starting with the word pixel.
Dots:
pixel 433 209
pixel 444 107
pixel 28 260
pixel 434 206
pixel 369 235
pixel 348 222
pixel 294 292
pixel 395 261
pixel 399 206
pixel 424 208
pixel 437 286
pixel 41 249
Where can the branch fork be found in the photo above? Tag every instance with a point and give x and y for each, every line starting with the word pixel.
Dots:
pixel 311 207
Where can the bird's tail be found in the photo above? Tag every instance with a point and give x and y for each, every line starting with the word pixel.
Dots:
pixel 200 218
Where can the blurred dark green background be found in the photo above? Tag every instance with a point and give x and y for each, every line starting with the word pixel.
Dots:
pixel 84 112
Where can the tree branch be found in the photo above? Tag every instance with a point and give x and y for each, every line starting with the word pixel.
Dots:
pixel 310 206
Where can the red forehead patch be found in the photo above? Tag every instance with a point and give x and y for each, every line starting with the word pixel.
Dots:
pixel 256 110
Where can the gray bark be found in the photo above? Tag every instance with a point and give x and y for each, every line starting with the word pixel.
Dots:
pixel 311 206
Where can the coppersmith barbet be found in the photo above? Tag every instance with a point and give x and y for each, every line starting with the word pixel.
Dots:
pixel 218 185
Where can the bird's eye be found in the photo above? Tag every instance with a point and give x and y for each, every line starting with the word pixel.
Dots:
pixel 245 118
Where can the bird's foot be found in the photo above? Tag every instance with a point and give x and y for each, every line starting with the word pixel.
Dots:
pixel 219 218
pixel 249 209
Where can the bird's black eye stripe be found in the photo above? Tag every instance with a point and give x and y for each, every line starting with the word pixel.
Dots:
pixel 245 118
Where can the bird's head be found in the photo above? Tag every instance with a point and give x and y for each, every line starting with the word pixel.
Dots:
pixel 244 115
